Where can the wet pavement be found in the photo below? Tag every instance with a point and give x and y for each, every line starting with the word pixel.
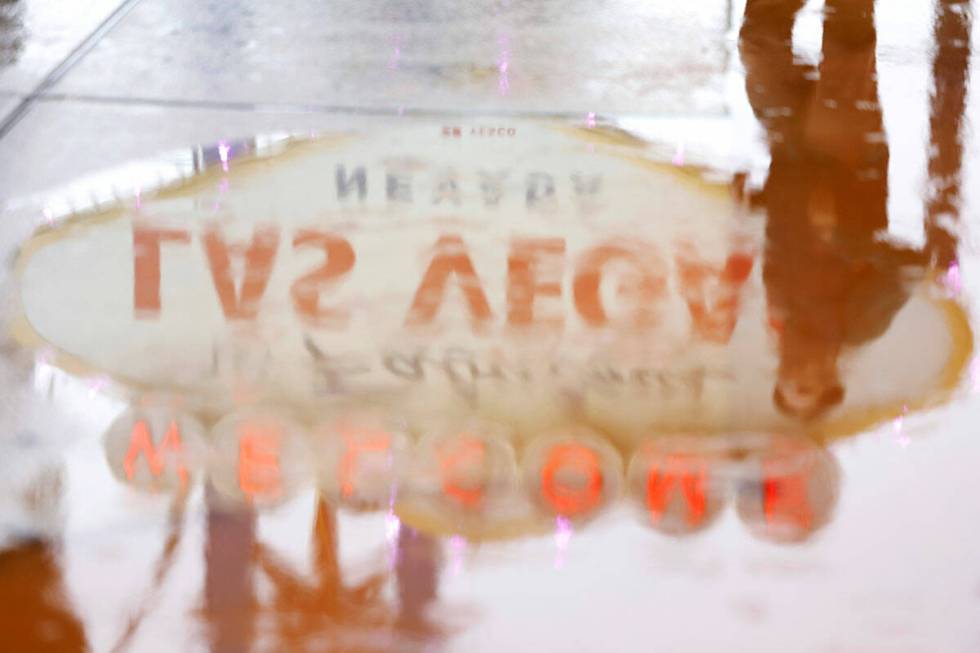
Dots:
pixel 40 36
pixel 528 326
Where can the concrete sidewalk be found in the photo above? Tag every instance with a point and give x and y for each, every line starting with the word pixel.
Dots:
pixel 86 88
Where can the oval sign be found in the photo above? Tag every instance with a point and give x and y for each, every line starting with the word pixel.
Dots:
pixel 544 273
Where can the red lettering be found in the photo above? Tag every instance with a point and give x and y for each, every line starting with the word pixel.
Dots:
pixel 259 256
pixel 146 266
pixel 565 498
pixel 451 259
pixel 259 472
pixel 643 286
pixel 678 472
pixel 141 442
pixel 457 461
pixel 359 441
pixel 307 289
pixel 713 293
pixel 786 501
pixel 524 283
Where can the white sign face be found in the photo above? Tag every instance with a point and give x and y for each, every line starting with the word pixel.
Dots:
pixel 530 274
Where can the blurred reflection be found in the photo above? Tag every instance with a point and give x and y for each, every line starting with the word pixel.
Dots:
pixel 37 614
pixel 791 491
pixel 260 457
pixel 11 31
pixel 230 606
pixel 322 608
pixel 307 608
pixel 464 480
pixel 359 456
pixel 155 450
pixel 785 488
pixel 832 281
pixel 572 474
pixel 417 570
pixel 948 103
pixel 676 483
pixel 163 566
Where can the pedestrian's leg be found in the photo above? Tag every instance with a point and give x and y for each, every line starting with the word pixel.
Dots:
pixel 778 87
pixel 844 124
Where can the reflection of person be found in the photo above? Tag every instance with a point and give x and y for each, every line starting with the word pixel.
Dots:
pixel 950 70
pixel 831 281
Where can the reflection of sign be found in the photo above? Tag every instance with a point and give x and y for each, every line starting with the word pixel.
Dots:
pixel 258 458
pixel 142 444
pixel 155 450
pixel 464 473
pixel 358 459
pixel 462 467
pixel 785 488
pixel 516 278
pixel 463 476
pixel 793 494
pixel 572 474
pixel 259 469
pixel 641 273
pixel 676 488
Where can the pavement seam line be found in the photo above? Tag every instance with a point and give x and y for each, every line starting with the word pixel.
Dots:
pixel 58 73
pixel 326 109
